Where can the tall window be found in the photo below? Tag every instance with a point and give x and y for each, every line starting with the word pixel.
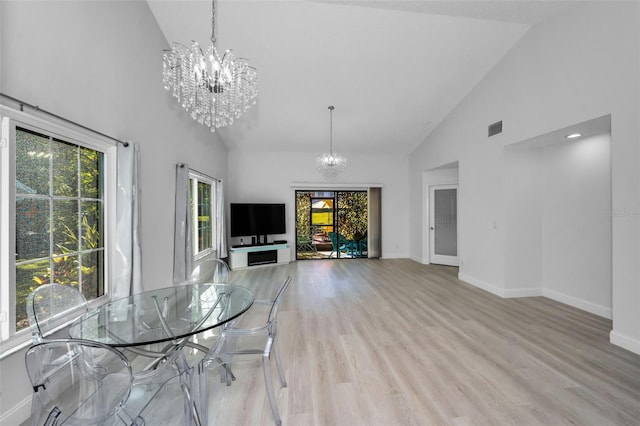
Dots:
pixel 55 185
pixel 202 197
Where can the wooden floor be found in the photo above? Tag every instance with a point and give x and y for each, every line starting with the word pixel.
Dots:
pixel 393 342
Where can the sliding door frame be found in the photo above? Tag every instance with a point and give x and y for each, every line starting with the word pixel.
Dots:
pixel 367 239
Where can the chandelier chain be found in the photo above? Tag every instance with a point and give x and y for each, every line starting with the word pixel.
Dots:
pixel 213 22
pixel 331 107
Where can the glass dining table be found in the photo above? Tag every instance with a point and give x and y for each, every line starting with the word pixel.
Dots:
pixel 159 323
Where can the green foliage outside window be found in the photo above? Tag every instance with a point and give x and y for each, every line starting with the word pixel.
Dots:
pixel 349 212
pixel 205 232
pixel 352 214
pixel 59 217
pixel 303 212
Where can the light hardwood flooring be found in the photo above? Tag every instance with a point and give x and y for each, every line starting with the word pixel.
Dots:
pixel 393 342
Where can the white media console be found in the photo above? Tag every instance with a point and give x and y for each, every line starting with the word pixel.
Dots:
pixel 268 254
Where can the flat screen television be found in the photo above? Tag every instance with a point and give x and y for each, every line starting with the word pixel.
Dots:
pixel 256 219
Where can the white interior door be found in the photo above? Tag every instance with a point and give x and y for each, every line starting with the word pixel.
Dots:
pixel 443 224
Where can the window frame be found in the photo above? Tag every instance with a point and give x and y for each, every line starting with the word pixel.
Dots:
pixel 194 178
pixel 10 338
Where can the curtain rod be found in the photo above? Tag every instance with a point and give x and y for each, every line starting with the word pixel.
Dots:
pixel 37 108
pixel 181 165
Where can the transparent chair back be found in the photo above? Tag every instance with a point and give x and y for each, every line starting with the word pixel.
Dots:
pixel 211 271
pixel 246 344
pixel 51 305
pixel 77 382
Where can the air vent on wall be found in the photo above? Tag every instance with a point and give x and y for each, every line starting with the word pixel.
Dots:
pixel 495 128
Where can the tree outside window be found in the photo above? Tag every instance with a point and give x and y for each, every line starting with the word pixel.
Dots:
pixel 59 217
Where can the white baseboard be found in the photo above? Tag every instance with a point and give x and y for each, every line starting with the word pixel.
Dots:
pixel 584 305
pixel 394 256
pixel 523 292
pixel 601 311
pixel 18 414
pixel 626 342
pixel 481 284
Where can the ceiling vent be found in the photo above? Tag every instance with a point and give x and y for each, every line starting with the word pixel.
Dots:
pixel 495 128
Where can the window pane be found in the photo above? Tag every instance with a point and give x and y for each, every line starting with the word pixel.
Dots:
pixel 66 270
pixel 204 216
pixel 445 235
pixel 322 211
pixel 91 226
pixel 32 163
pixel 65 226
pixel 60 221
pixel 303 213
pixel 90 172
pixel 65 168
pixel 28 277
pixel 92 274
pixel 352 214
pixel 32 228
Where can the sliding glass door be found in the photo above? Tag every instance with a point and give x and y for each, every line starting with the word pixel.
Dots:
pixel 331 224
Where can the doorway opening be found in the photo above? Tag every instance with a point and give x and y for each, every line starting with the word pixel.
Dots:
pixel 440 215
pixel 331 224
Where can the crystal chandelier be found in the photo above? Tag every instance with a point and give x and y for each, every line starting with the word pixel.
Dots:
pixel 216 90
pixel 331 164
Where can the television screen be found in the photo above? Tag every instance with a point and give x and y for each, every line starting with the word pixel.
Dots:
pixel 248 219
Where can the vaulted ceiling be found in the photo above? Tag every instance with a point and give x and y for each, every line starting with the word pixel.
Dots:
pixel 394 69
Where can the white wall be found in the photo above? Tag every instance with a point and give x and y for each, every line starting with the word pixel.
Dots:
pixel 576 232
pixel 267 177
pixel 523 211
pixel 577 66
pixel 99 64
pixel 558 222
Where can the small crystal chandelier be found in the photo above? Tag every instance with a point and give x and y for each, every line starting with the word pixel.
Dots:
pixel 215 90
pixel 331 164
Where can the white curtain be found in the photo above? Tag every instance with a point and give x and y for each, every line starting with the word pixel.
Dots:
pixel 221 244
pixel 127 268
pixel 374 232
pixel 182 244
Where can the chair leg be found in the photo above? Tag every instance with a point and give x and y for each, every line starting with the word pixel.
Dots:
pixel 203 378
pixel 129 420
pixel 276 355
pixel 228 374
pixel 192 415
pixel 272 399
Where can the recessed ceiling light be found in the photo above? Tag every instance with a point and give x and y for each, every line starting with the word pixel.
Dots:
pixel 573 135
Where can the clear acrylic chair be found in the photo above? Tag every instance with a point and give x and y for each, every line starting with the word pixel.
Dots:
pixel 211 271
pixel 89 383
pixel 50 306
pixel 244 344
